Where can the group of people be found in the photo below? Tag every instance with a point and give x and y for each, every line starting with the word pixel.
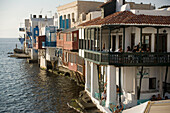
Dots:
pixel 154 98
pixel 136 48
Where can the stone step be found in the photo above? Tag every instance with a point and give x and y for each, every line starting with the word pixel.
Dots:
pixel 74 105
pixel 84 105
pixel 86 98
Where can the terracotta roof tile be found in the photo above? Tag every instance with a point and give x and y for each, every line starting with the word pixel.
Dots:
pixel 127 17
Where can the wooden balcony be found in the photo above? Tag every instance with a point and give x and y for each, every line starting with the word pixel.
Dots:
pixel 128 59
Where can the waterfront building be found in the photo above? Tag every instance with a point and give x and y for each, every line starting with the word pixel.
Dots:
pixel 34 27
pixel 72 14
pixel 67 46
pixel 129 77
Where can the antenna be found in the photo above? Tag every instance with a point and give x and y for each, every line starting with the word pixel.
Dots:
pixel 50 13
pixel 41 10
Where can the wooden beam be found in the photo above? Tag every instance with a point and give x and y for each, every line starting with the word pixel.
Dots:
pixel 157 44
pixel 123 39
pixel 97 38
pixel 109 38
pixel 100 39
pixel 141 36
pixel 120 85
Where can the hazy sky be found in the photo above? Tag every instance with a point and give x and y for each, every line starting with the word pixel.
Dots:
pixel 13 12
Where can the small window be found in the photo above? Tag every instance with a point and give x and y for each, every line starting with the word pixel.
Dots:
pixel 152 83
pixel 61 36
pixel 68 38
pixel 75 36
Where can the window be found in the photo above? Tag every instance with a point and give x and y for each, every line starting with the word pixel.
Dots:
pixel 75 37
pixel 146 41
pixel 61 36
pixel 68 38
pixel 152 83
pixel 53 37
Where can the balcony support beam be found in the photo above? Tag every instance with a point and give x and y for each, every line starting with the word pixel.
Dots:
pixel 157 40
pixel 97 38
pixel 123 39
pixel 140 37
pixel 90 40
pixel 110 38
pixel 87 47
pixel 100 39
pixel 94 39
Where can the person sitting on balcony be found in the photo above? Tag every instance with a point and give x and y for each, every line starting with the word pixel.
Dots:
pixel 119 50
pixel 147 49
pixel 153 98
pixel 103 49
pixel 128 49
pixel 159 97
pixel 134 49
pixel 140 50
pixel 166 97
pixel 138 46
pixel 104 95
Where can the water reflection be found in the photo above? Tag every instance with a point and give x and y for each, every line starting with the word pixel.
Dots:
pixel 26 88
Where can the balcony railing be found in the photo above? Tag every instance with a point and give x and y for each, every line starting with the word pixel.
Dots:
pixel 48 44
pixel 129 59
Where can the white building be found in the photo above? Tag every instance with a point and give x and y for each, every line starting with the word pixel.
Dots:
pixel 106 69
pixel 35 27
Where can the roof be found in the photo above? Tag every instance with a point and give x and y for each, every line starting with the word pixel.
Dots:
pixel 128 18
pixel 106 3
pixel 69 30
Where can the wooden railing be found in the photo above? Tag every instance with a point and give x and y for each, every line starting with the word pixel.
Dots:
pixel 129 59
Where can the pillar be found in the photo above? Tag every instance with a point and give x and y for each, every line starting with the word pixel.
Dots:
pixel 94 79
pixel 86 75
pixel 157 38
pixel 160 80
pixel 141 37
pixel 123 39
pixel 111 85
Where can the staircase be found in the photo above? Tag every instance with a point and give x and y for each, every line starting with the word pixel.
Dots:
pixel 83 104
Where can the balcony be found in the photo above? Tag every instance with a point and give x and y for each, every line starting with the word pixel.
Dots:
pixel 128 59
pixel 48 44
pixel 71 45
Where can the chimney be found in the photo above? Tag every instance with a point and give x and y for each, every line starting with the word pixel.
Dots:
pixel 40 16
pixel 34 16
pixel 108 8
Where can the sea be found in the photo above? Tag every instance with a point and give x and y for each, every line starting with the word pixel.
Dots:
pixel 25 88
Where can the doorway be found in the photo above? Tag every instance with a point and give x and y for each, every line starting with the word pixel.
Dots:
pixel 162 43
pixel 113 43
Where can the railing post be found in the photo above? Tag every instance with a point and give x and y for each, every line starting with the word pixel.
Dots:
pixel 157 47
pixel 123 39
pixel 100 39
pixel 90 40
pixel 97 38
pixel 141 37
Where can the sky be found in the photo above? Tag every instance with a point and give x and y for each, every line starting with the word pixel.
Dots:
pixel 13 12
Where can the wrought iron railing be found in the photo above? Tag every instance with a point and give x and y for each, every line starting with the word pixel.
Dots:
pixel 129 59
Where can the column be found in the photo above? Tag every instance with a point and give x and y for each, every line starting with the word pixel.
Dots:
pixel 160 80
pixel 157 44
pixel 100 39
pixel 111 85
pixel 141 37
pixel 94 79
pixel 86 74
pixel 123 39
